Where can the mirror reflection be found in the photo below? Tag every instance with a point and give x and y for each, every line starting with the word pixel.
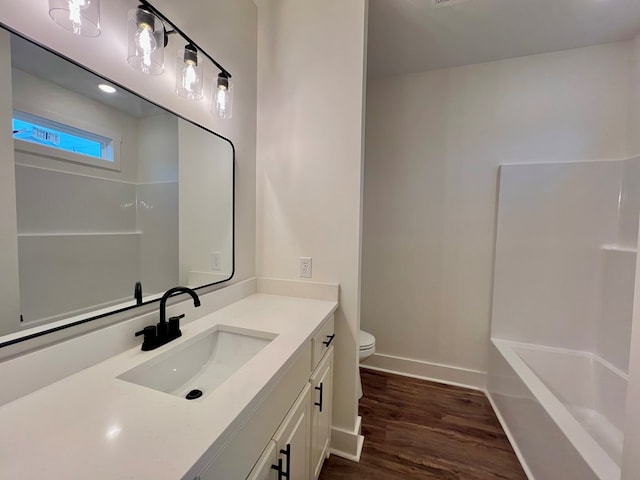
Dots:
pixel 111 192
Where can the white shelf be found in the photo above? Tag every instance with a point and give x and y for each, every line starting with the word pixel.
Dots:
pixel 619 248
pixel 76 234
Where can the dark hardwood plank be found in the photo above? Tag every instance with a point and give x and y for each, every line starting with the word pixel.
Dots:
pixel 415 429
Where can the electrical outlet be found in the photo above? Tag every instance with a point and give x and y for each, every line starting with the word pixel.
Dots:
pixel 216 261
pixel 305 267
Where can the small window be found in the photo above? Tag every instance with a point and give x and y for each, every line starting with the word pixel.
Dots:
pixel 51 134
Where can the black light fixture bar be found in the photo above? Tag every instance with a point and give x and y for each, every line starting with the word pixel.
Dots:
pixel 162 17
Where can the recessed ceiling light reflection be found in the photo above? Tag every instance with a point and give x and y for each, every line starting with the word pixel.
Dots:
pixel 113 432
pixel 106 88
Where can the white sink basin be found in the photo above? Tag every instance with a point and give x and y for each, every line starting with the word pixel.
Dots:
pixel 202 363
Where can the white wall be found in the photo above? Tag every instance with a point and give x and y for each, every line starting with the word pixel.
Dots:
pixel 157 149
pixel 205 202
pixel 631 460
pixel 157 201
pixel 9 290
pixel 63 242
pixel 225 28
pixel 434 143
pixel 561 278
pixel 634 107
pixel 551 221
pixel 309 160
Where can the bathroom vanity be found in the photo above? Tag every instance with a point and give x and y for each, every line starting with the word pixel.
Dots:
pixel 123 418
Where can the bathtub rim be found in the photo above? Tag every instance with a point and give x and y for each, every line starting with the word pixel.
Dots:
pixel 588 448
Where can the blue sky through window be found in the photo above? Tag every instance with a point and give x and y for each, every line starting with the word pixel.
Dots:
pixel 34 133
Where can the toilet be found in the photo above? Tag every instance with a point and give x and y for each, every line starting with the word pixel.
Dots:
pixel 367 348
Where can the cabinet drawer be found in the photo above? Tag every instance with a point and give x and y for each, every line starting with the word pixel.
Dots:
pixel 322 341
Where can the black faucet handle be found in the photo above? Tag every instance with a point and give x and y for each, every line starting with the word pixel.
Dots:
pixel 149 331
pixel 150 337
pixel 174 326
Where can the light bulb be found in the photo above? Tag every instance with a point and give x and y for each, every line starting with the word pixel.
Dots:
pixel 81 17
pixel 146 42
pixel 189 77
pixel 189 73
pixel 223 96
pixel 74 14
pixel 222 100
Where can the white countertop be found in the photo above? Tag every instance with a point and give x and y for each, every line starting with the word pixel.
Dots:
pixel 94 425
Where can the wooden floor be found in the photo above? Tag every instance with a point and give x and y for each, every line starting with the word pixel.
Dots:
pixel 416 429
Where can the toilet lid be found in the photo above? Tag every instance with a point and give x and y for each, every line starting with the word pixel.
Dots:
pixel 366 339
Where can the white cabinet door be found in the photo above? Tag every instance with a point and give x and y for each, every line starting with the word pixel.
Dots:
pixel 293 440
pixel 322 341
pixel 263 470
pixel 321 395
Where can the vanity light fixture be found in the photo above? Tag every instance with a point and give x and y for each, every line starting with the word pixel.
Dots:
pixel 148 36
pixel 147 39
pixel 81 17
pixel 189 73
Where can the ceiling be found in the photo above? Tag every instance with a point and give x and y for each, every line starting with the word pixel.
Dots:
pixel 41 63
pixel 408 36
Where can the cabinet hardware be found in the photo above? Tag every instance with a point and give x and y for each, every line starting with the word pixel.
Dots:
pixel 319 404
pixel 326 343
pixel 278 468
pixel 287 453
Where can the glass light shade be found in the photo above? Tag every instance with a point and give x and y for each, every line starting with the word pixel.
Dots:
pixel 189 73
pixel 146 41
pixel 222 102
pixel 81 17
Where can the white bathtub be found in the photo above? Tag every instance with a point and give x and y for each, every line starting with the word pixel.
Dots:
pixel 563 410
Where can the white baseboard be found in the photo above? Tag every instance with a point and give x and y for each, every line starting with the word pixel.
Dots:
pixel 460 377
pixel 512 441
pixel 347 444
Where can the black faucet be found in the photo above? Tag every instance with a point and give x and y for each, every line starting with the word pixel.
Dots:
pixel 137 293
pixel 164 332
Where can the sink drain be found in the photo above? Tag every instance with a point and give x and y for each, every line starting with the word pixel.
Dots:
pixel 193 394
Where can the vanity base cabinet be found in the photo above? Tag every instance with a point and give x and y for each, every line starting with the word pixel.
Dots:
pixel 321 400
pixel 263 470
pixel 245 446
pixel 288 432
